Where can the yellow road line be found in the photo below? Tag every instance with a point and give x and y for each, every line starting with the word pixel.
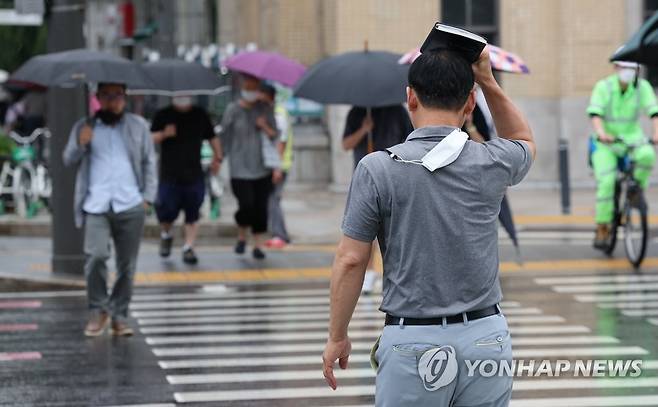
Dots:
pixel 563 220
pixel 196 277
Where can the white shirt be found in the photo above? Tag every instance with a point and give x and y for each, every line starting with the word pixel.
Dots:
pixel 112 181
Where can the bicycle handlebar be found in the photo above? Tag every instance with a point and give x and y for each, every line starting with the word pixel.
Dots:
pixel 42 131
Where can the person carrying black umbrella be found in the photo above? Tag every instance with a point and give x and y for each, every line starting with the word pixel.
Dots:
pixel 370 130
pixel 180 129
pixel 116 183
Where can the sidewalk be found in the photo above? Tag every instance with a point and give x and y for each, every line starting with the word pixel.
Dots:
pixel 314 215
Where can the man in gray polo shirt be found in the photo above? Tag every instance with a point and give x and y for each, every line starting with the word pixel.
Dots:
pixel 435 216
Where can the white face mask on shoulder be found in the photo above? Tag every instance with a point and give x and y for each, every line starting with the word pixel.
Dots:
pixel 443 154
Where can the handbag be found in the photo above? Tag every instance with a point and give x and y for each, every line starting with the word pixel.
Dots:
pixel 271 157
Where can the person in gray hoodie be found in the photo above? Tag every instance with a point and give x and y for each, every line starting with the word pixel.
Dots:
pixel 116 183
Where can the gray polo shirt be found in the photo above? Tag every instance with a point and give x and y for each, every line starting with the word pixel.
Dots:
pixel 242 140
pixel 438 231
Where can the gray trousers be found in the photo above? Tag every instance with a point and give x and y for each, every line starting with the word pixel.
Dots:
pixel 275 213
pixel 125 230
pixel 402 349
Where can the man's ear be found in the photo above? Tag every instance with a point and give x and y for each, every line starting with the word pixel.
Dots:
pixel 412 99
pixel 470 103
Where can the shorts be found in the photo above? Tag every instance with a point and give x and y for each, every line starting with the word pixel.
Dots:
pixel 174 197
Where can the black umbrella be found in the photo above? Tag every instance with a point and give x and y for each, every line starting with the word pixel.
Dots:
pixel 173 77
pixel 642 47
pixel 81 66
pixel 362 78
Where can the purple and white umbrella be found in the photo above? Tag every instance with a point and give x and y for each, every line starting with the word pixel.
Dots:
pixel 267 65
pixel 501 60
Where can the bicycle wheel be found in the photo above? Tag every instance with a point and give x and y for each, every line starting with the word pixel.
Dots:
pixel 636 231
pixel 23 192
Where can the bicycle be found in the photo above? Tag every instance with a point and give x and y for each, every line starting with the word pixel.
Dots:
pixel 25 178
pixel 630 210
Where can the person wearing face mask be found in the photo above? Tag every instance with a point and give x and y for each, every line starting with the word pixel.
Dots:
pixel 180 129
pixel 614 111
pixel 244 124
pixel 116 183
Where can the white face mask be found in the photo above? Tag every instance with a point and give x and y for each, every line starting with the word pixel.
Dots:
pixel 182 101
pixel 249 95
pixel 443 154
pixel 627 75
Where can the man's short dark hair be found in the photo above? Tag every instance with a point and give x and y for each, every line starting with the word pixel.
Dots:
pixel 104 84
pixel 441 79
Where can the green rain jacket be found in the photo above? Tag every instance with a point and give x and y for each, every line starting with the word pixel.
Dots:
pixel 619 110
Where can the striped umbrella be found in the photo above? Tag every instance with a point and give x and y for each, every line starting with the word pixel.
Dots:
pixel 501 60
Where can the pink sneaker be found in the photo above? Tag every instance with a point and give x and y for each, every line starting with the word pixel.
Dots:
pixel 276 243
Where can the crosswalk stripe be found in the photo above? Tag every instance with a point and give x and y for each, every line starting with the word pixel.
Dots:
pixel 640 312
pixel 596 279
pixel 653 321
pixel 603 401
pixel 287 326
pixel 273 394
pixel 365 357
pixel 630 305
pixel 370 333
pixel 43 294
pixel 584 383
pixel 20 304
pixel 266 376
pixel 18 327
pixel 233 295
pixel 11 356
pixel 591 288
pixel 359 345
pixel 521 319
pixel 247 310
pixel 639 296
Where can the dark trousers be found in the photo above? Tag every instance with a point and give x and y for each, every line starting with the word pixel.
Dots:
pixel 125 229
pixel 252 196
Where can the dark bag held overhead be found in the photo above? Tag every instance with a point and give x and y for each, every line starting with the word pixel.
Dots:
pixel 443 36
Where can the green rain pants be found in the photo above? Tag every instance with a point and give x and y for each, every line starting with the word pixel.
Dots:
pixel 604 161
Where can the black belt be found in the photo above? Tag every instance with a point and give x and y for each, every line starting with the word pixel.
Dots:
pixel 453 319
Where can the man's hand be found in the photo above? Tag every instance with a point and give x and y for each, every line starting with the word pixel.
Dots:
pixel 85 136
pixel 605 138
pixel 367 125
pixel 482 68
pixel 277 176
pixel 169 131
pixel 215 165
pixel 261 123
pixel 147 206
pixel 335 350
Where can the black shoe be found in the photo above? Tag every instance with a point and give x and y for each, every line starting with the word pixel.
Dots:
pixel 240 247
pixel 258 254
pixel 165 246
pixel 189 257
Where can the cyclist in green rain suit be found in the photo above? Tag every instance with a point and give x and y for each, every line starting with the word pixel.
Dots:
pixel 614 109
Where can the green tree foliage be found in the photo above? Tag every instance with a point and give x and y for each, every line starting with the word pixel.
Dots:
pixel 20 43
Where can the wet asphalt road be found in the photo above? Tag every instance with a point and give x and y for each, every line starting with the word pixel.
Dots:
pixel 249 344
